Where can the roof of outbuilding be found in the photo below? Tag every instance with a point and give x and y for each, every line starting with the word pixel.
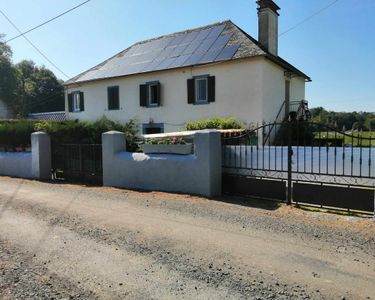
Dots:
pixel 213 43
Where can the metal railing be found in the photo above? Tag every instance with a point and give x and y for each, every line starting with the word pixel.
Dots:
pixel 315 149
pixel 305 152
pixel 298 110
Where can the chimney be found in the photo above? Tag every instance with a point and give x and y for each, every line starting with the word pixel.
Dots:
pixel 268 25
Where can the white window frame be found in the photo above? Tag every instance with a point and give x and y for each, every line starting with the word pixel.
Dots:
pixel 76 102
pixel 149 87
pixel 196 80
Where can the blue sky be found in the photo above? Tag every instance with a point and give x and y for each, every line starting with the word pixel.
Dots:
pixel 335 48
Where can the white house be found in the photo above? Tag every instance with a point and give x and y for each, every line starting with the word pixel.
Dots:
pixel 212 71
pixel 5 111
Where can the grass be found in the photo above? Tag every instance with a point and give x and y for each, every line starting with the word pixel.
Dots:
pixel 354 138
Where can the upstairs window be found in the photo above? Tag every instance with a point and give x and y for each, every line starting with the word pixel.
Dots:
pixel 201 90
pixel 113 98
pixel 76 102
pixel 150 94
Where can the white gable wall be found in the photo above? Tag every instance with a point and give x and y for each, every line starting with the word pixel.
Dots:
pixel 240 92
pixel 274 91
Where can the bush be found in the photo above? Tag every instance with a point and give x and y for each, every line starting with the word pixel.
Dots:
pixel 16 133
pixel 214 123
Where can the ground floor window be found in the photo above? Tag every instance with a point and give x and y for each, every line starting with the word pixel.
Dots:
pixel 152 128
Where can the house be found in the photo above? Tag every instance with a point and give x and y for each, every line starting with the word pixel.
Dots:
pixel 5 111
pixel 213 71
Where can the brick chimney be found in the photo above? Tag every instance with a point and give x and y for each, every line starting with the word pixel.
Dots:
pixel 268 25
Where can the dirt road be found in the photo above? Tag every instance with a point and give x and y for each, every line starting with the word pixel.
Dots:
pixel 74 242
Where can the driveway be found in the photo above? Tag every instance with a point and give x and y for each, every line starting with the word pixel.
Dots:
pixel 74 242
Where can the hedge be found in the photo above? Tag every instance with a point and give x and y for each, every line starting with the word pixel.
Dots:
pixel 214 123
pixel 17 133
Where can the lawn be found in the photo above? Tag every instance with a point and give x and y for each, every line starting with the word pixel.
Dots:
pixel 354 138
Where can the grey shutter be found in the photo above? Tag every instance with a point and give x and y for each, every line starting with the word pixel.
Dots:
pixel 70 102
pixel 191 90
pixel 158 92
pixel 81 102
pixel 211 89
pixel 143 95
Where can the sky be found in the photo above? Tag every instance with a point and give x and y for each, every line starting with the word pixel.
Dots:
pixel 335 48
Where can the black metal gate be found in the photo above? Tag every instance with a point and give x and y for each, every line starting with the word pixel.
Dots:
pixel 80 163
pixel 302 162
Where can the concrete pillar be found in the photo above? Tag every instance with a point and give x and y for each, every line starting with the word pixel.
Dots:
pixel 208 148
pixel 112 143
pixel 41 155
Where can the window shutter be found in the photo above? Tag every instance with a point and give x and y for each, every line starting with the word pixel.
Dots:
pixel 70 102
pixel 143 95
pixel 116 95
pixel 81 102
pixel 211 89
pixel 191 90
pixel 113 98
pixel 158 92
pixel 109 96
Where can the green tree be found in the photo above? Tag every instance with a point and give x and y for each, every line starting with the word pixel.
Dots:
pixel 348 120
pixel 7 74
pixel 370 123
pixel 38 89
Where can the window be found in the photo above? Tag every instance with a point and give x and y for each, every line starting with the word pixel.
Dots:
pixel 113 98
pixel 151 128
pixel 201 89
pixel 76 102
pixel 150 94
pixel 153 97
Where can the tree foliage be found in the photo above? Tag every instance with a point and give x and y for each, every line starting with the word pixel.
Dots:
pixel 344 120
pixel 7 74
pixel 27 88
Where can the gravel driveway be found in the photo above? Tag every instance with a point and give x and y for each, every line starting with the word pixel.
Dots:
pixel 74 242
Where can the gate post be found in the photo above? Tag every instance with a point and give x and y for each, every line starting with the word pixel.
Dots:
pixel 41 155
pixel 290 153
pixel 112 143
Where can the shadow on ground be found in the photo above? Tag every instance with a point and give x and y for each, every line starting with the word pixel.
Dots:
pixel 249 202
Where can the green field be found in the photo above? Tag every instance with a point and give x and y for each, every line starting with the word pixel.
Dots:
pixel 354 138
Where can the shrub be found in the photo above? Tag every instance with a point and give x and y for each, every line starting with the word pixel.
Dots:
pixel 166 141
pixel 214 123
pixel 15 133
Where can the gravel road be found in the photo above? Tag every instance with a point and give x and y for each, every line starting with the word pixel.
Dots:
pixel 60 241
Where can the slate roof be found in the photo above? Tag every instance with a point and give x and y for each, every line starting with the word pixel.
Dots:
pixel 213 43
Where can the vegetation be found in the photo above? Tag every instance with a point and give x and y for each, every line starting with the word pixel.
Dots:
pixel 166 141
pixel 214 123
pixel 26 88
pixel 17 133
pixel 343 120
pixel 355 138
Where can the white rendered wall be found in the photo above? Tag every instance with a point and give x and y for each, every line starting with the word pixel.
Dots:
pixel 251 90
pixel 274 90
pixel 34 164
pixel 198 173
